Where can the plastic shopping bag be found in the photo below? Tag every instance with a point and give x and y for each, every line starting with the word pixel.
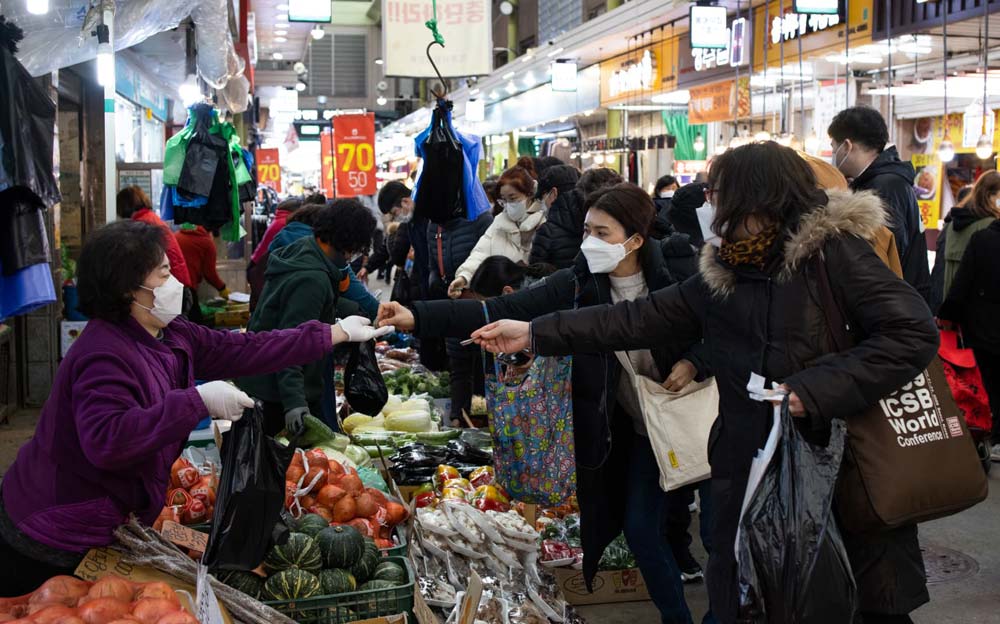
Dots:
pixel 251 496
pixel 792 564
pixel 364 387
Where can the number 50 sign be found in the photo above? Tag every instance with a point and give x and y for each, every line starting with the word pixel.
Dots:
pixel 354 149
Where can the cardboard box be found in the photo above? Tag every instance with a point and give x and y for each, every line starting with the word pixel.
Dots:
pixel 609 586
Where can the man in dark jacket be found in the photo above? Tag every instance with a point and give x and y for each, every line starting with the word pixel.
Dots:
pixel 859 136
pixel 302 284
pixel 557 241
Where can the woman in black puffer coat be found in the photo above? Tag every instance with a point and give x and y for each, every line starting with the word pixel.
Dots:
pixel 557 241
pixel 756 305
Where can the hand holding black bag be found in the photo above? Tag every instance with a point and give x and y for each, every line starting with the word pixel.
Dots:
pixel 364 388
pixel 251 496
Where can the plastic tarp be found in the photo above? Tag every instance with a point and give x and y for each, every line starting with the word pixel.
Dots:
pixel 791 561
pixel 62 37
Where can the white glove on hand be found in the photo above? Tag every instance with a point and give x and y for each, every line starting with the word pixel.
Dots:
pixel 359 329
pixel 224 400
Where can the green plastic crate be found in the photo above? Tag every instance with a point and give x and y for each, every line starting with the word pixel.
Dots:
pixel 358 605
pixel 396 551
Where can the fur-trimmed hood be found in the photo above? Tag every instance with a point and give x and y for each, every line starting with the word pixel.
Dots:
pixel 852 214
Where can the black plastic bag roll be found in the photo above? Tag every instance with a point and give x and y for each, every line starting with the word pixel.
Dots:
pixel 792 563
pixel 364 387
pixel 251 496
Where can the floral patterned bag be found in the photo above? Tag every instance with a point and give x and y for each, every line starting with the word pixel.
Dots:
pixel 531 421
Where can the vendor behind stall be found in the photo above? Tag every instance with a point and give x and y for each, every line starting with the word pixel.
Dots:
pixel 124 402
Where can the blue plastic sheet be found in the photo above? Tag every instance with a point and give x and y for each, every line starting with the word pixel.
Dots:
pixel 476 202
pixel 26 290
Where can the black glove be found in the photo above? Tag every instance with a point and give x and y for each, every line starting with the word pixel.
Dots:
pixel 295 421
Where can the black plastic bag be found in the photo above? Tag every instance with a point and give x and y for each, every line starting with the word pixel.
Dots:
pixel 441 197
pixel 792 563
pixel 27 124
pixel 251 496
pixel 24 240
pixel 364 387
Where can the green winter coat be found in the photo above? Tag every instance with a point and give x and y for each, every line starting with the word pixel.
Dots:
pixel 301 284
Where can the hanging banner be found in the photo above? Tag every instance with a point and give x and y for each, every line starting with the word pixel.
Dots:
pixel 328 162
pixel 269 168
pixel 714 102
pixel 927 184
pixel 465 25
pixel 354 148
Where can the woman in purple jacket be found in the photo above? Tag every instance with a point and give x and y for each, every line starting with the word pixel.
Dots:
pixel 124 402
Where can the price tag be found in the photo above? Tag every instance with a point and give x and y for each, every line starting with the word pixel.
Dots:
pixel 183 536
pixel 206 604
pixel 269 168
pixel 354 154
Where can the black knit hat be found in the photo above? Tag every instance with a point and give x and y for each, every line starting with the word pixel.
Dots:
pixel 390 196
pixel 562 177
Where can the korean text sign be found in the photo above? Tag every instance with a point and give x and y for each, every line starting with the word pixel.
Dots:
pixel 354 154
pixel 465 25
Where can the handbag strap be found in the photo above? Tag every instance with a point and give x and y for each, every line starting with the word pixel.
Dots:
pixel 835 317
pixel 440 253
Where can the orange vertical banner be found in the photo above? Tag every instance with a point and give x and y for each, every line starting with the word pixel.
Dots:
pixel 269 168
pixel 354 145
pixel 326 154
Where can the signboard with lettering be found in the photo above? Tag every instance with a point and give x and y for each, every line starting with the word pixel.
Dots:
pixel 821 34
pixel 713 102
pixel 640 74
pixel 354 147
pixel 269 168
pixel 817 6
pixel 708 27
pixel 735 54
pixel 465 25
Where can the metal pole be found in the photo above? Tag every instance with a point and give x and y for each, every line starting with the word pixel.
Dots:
pixel 110 160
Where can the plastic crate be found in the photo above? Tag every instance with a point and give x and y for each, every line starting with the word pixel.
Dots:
pixel 358 605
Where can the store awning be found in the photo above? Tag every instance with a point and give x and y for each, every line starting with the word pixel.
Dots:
pixel 62 37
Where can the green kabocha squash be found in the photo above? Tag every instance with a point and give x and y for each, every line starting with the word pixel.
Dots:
pixel 292 584
pixel 364 569
pixel 246 582
pixel 300 551
pixel 341 546
pixel 337 581
pixel 378 584
pixel 311 524
pixel 389 571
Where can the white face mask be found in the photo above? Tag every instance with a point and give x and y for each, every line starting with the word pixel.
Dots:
pixel 168 300
pixel 516 210
pixel 837 163
pixel 603 257
pixel 666 194
pixel 706 214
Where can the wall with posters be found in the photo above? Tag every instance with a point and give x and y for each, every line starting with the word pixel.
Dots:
pixel 465 25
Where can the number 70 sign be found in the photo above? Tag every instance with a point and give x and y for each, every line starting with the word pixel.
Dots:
pixel 354 152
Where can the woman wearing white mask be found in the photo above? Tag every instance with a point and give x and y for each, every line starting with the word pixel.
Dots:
pixel 512 231
pixel 617 475
pixel 124 402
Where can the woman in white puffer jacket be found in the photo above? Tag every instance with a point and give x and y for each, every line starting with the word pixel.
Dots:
pixel 513 230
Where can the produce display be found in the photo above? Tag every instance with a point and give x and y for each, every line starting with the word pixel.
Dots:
pixel 412 415
pixel 415 464
pixel 392 359
pixel 69 600
pixel 191 497
pixel 405 382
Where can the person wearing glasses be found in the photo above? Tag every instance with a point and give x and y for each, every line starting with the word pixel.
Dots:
pixel 756 306
pixel 513 230
pixel 617 476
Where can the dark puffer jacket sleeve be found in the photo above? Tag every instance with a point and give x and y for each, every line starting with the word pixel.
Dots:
pixel 900 337
pixel 667 315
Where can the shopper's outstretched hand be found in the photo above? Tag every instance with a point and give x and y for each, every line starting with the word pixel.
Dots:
pixel 504 336
pixel 395 314
pixel 358 329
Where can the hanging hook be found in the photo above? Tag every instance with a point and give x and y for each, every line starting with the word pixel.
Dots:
pixel 444 83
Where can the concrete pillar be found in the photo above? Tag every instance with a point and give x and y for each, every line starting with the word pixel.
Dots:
pixel 616 125
pixel 512 33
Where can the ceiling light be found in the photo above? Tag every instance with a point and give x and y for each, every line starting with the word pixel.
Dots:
pixel 761 136
pixel 317 33
pixel 379 61
pixel 321 99
pixel 381 100
pixel 301 85
pixel 946 151
pixel 785 139
pixel 280 40
pixel 984 147
pixel 529 80
pixel 474 91
pixel 598 159
pixel 699 142
pixel 299 67
pixel 282 7
pixel 37 7
pixel 278 56
pixel 281 24
pixel 720 147
pixel 105 57
pixel 494 95
pixel 563 119
pixel 511 88
pixel 508 75
pixel 588 112
pixel 681 96
pixel 281 33
pixel 506 8
pixel 189 91
pixel 555 52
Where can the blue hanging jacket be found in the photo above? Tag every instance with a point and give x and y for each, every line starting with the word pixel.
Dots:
pixel 476 202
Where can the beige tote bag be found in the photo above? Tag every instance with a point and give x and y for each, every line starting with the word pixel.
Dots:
pixel 678 425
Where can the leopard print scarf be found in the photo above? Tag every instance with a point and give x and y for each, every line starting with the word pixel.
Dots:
pixel 752 251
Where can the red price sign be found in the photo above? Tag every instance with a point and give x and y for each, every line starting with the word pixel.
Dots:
pixel 354 143
pixel 269 168
pixel 328 162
